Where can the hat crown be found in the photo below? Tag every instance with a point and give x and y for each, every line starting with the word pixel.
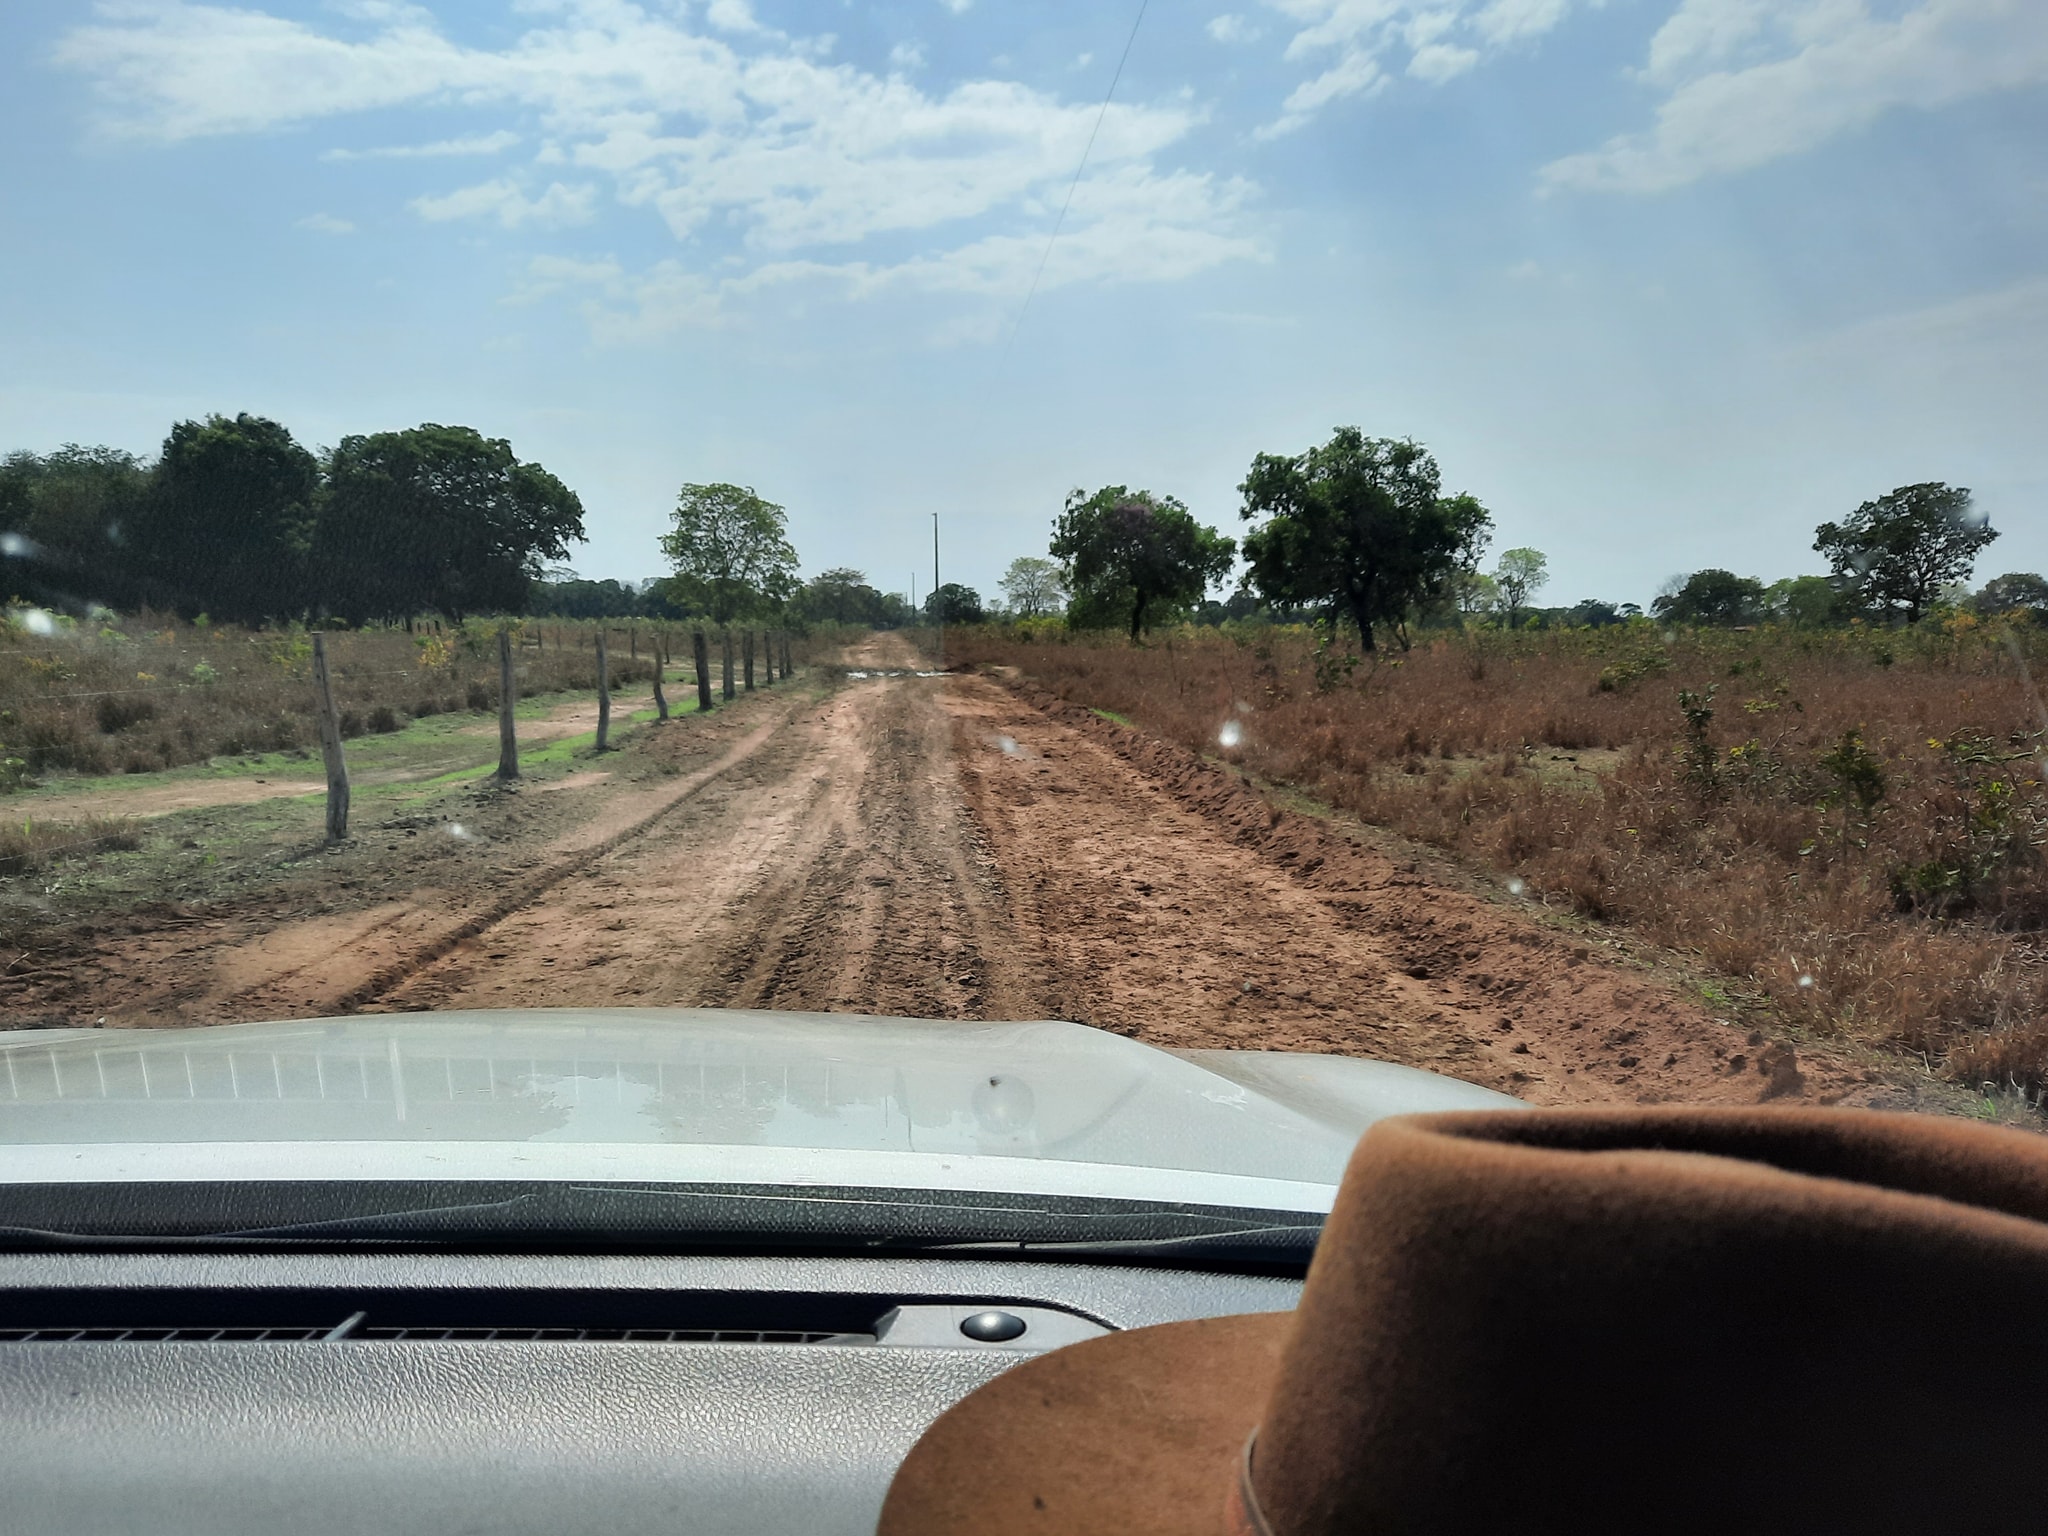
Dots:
pixel 1679 1319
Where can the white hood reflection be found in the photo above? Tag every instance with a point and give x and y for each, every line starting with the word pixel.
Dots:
pixel 695 1095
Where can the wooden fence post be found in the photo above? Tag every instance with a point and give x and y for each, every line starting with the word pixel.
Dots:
pixel 330 745
pixel 604 697
pixel 785 653
pixel 702 653
pixel 767 658
pixel 660 666
pixel 633 639
pixel 508 701
pixel 747 657
pixel 728 664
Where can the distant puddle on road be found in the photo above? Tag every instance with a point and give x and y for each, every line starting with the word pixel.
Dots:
pixel 883 673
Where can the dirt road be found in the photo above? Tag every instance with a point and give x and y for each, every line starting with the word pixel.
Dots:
pixel 953 848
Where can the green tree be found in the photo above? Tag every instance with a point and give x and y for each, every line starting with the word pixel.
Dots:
pixel 1901 549
pixel 1357 530
pixel 954 604
pixel 573 597
pixel 1132 553
pixel 228 524
pixel 843 595
pixel 436 518
pixel 1471 592
pixel 2016 590
pixel 1519 576
pixel 71 518
pixel 1591 613
pixel 1712 597
pixel 1804 602
pixel 731 552
pixel 1032 587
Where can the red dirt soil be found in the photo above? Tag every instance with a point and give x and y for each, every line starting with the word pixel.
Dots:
pixel 952 847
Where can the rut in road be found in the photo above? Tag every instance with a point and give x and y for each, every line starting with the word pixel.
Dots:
pixel 955 848
pixel 836 869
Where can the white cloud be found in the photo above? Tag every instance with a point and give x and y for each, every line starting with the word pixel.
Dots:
pixel 1438 62
pixel 502 200
pixel 1232 28
pixel 752 147
pixel 325 224
pixel 474 144
pixel 906 56
pixel 957 7
pixel 1364 41
pixel 732 16
pixel 1749 83
pixel 1128 226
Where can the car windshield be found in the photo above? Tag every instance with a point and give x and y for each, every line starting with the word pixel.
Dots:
pixel 705 618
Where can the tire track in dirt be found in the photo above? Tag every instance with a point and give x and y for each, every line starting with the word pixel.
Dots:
pixel 960 848
pixel 838 871
pixel 585 848
pixel 1171 901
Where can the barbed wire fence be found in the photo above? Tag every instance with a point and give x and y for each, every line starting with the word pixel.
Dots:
pixel 335 724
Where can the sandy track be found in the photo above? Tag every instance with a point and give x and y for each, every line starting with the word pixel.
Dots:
pixel 836 869
pixel 958 848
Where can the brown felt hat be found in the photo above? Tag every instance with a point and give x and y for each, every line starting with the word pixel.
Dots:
pixel 1665 1320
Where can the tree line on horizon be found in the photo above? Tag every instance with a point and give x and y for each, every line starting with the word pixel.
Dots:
pixel 1357 534
pixel 237 520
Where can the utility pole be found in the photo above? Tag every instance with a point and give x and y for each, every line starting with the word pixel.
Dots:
pixel 938 603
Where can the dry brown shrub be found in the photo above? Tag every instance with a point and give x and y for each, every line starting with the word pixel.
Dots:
pixel 29 846
pixel 1915 920
pixel 136 695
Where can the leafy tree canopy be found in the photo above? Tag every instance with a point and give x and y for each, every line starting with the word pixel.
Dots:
pixel 72 515
pixel 1712 597
pixel 2016 590
pixel 577 598
pixel 1357 529
pixel 438 518
pixel 1133 554
pixel 1032 587
pixel 1591 613
pixel 843 595
pixel 954 604
pixel 229 521
pixel 731 552
pixel 1901 549
pixel 1804 602
pixel 1519 576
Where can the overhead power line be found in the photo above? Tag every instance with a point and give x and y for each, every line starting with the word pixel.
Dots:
pixel 1060 222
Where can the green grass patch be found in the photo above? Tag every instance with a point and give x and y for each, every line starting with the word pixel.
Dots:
pixel 1112 715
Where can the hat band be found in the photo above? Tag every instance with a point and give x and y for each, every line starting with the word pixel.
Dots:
pixel 1243 1517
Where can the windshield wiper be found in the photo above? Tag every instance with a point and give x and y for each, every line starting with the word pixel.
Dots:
pixel 1267 1242
pixel 587 1218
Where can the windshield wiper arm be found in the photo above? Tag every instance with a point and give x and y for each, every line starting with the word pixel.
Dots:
pixel 1275 1241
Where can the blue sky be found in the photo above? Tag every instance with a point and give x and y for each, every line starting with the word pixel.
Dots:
pixel 1664 282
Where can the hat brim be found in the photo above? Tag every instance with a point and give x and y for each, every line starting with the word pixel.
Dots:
pixel 1138 1432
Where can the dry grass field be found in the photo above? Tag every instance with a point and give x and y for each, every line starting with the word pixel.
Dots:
pixel 1848 826
pixel 128 696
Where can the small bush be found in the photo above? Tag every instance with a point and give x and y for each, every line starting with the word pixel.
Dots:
pixel 49 742
pixel 426 708
pixel 479 697
pixel 351 725
pixel 383 720
pixel 116 712
pixel 1864 845
pixel 30 846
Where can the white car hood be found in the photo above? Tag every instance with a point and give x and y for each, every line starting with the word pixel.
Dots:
pixel 697 1095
